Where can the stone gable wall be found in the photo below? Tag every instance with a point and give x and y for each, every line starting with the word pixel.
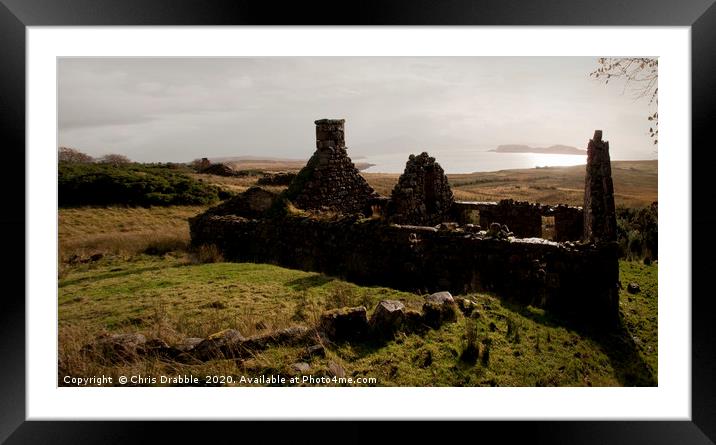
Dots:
pixel 600 221
pixel 330 180
pixel 422 195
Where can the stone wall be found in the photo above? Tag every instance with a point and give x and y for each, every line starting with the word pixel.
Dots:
pixel 523 218
pixel 422 195
pixel 579 281
pixel 600 222
pixel 330 181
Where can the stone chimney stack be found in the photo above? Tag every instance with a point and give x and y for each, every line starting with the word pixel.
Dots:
pixel 330 134
pixel 600 223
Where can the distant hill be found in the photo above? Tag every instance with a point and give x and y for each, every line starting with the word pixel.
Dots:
pixel 266 159
pixel 271 164
pixel 553 149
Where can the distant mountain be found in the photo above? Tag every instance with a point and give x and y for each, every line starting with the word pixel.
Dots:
pixel 553 149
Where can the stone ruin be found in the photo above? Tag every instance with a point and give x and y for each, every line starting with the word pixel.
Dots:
pixel 524 219
pixel 204 164
pixel 330 181
pixel 422 195
pixel 600 221
pixel 424 241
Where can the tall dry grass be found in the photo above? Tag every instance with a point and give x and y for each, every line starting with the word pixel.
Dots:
pixel 123 231
pixel 77 360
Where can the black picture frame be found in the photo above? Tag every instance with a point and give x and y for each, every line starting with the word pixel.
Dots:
pixel 16 15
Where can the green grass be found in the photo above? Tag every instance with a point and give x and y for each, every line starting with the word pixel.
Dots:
pixel 171 298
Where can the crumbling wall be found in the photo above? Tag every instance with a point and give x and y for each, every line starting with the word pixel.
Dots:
pixel 329 180
pixel 600 221
pixel 580 281
pixel 253 203
pixel 422 195
pixel 523 218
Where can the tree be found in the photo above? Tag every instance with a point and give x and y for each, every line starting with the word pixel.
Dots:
pixel 115 159
pixel 640 75
pixel 70 155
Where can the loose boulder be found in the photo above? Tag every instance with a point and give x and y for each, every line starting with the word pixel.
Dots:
pixel 301 367
pixel 387 318
pixel 336 370
pixel 348 323
pixel 633 288
pixel 315 351
pixel 414 321
pixel 440 298
pixel 224 343
pixel 439 308
pixel 119 347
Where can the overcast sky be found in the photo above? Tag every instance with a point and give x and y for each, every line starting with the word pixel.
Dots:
pixel 166 109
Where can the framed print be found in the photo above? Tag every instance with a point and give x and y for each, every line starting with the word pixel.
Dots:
pixel 358 222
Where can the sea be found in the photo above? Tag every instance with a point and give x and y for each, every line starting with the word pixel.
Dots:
pixel 472 160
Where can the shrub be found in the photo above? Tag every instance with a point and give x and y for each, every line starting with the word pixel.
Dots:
pixel 637 232
pixel 115 159
pixel 130 184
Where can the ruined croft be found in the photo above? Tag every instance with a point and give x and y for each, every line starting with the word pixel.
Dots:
pixel 420 239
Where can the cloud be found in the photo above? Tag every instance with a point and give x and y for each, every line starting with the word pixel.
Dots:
pixel 177 109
